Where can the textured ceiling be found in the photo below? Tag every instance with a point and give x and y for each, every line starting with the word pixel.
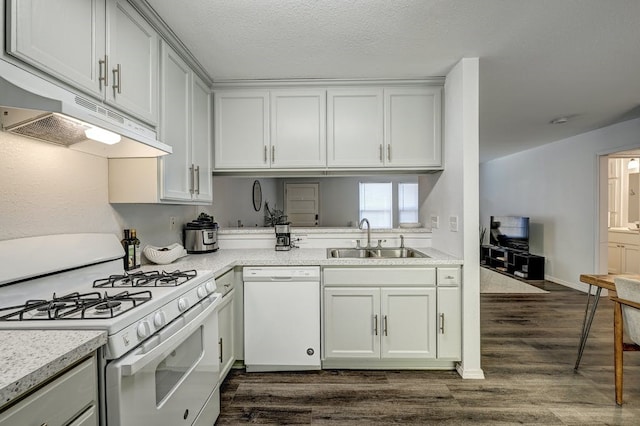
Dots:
pixel 538 59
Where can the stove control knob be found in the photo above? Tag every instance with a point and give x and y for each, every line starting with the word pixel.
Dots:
pixel 159 319
pixel 183 304
pixel 202 292
pixel 210 286
pixel 143 330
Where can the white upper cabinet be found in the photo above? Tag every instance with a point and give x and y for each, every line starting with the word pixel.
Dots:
pixel 412 120
pixel 175 128
pixel 241 126
pixel 132 52
pixel 201 132
pixel 64 38
pixel 355 127
pixel 298 128
pixel 102 47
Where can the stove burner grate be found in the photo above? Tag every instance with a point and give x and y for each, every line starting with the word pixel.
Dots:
pixel 150 279
pixel 87 306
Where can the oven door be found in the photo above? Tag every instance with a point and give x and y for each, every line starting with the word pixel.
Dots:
pixel 170 378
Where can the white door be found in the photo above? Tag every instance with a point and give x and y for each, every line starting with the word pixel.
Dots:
pixel 64 38
pixel 355 127
pixel 412 127
pixel 449 323
pixel 241 128
pixel 352 322
pixel 408 326
pixel 298 128
pixel 301 203
pixel 132 47
pixel 201 119
pixel 175 129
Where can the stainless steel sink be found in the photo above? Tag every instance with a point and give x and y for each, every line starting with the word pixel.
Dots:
pixel 374 253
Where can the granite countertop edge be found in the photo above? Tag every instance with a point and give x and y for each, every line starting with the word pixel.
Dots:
pixel 30 357
pixel 320 230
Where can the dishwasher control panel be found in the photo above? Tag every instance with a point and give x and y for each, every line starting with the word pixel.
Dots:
pixel 279 273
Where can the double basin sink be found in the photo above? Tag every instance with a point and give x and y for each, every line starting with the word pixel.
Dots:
pixel 374 253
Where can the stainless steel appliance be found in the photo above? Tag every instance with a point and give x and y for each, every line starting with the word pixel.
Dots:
pixel 200 236
pixel 281 318
pixel 283 237
pixel 160 365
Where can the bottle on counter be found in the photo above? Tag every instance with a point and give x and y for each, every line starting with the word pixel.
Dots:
pixel 129 251
pixel 137 257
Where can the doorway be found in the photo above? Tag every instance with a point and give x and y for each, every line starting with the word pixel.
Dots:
pixel 301 203
pixel 622 212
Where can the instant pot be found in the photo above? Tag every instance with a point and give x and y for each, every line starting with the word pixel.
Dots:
pixel 200 236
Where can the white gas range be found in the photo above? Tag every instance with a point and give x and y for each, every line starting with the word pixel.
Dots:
pixel 160 365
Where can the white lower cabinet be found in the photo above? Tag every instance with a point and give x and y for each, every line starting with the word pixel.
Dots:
pixel 71 399
pixel 623 253
pixel 226 328
pixel 391 318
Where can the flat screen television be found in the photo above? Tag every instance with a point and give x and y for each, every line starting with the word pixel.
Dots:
pixel 510 231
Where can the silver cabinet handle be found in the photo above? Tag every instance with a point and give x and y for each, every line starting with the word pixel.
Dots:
pixel 103 78
pixel 265 153
pixel 380 153
pixel 273 154
pixel 388 152
pixel 197 180
pixel 441 323
pixel 220 344
pixel 191 173
pixel 385 325
pixel 117 71
pixel 375 324
pixel 448 277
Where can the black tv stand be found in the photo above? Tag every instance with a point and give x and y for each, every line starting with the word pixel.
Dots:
pixel 519 263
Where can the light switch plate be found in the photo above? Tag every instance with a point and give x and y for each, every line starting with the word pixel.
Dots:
pixel 434 221
pixel 453 223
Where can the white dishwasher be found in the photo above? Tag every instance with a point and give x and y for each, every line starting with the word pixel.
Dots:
pixel 281 318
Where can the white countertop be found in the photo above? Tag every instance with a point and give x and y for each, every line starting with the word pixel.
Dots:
pixel 29 357
pixel 320 230
pixel 223 260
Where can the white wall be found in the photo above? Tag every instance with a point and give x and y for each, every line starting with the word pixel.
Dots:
pixel 48 189
pixel 454 192
pixel 556 186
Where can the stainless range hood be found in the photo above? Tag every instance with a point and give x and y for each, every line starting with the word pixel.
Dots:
pixel 33 107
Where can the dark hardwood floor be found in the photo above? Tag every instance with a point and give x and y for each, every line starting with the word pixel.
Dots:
pixel 529 348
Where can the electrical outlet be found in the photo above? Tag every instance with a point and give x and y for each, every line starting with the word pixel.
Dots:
pixel 172 223
pixel 434 221
pixel 453 223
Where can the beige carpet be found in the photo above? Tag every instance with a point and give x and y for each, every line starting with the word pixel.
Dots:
pixel 495 282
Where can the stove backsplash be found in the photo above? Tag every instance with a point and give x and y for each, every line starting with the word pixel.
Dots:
pixel 47 189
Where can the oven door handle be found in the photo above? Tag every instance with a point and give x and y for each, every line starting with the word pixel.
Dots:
pixel 137 361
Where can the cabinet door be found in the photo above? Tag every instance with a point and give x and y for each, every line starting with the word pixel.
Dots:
pixel 201 118
pixel 298 128
pixel 630 259
pixel 354 128
pixel 225 335
pixel 412 127
pixel 408 322
pixel 132 48
pixel 614 263
pixel 64 38
pixel 175 129
pixel 351 322
pixel 449 323
pixel 241 126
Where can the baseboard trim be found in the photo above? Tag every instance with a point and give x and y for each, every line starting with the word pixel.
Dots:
pixel 583 287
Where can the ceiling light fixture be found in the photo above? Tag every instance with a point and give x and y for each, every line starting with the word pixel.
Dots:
pixel 102 135
pixel 633 164
pixel 559 120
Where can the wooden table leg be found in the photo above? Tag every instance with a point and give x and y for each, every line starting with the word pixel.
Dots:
pixel 618 350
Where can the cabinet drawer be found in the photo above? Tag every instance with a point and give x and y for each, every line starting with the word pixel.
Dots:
pixel 225 281
pixel 448 276
pixel 379 276
pixel 59 401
